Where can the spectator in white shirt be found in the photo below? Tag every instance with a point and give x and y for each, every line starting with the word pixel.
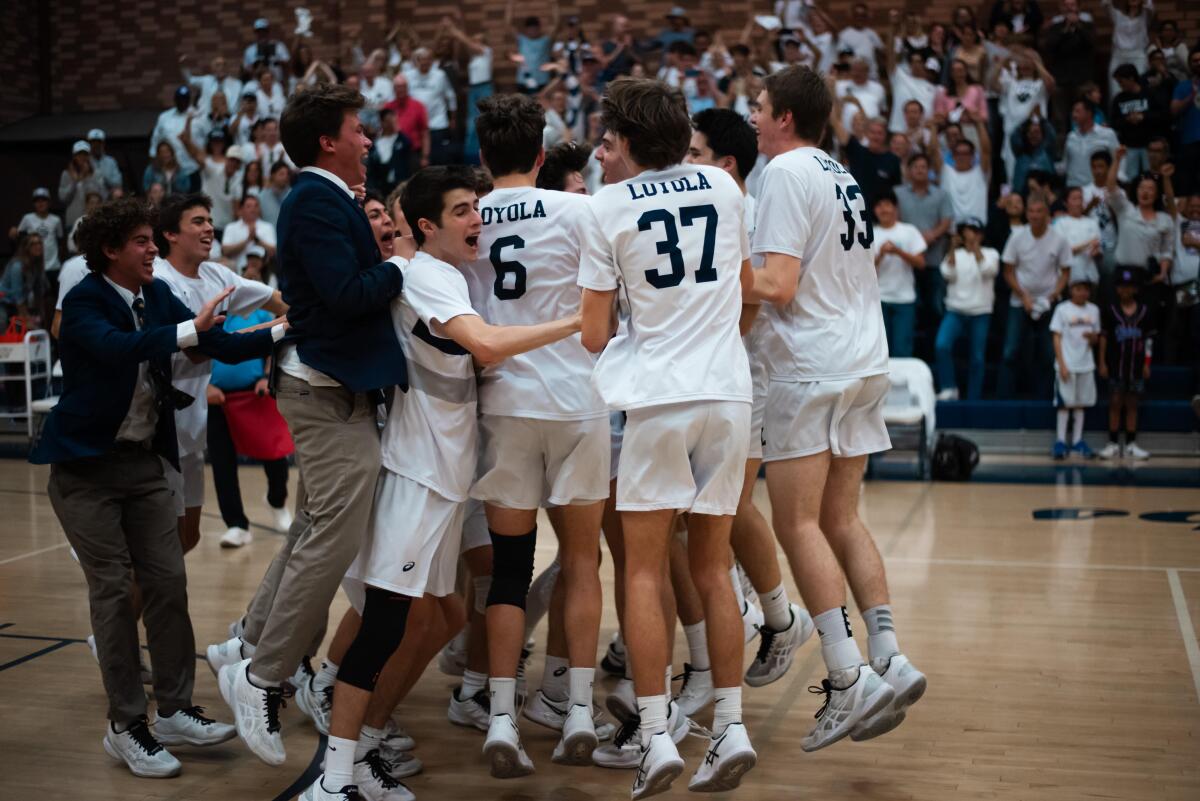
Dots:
pixel 1025 87
pixel 428 84
pixel 556 131
pixel 265 51
pixel 1095 205
pixel 1085 139
pixel 249 229
pixel 270 149
pixel 218 80
pixel 1130 37
pixel 241 127
pixel 46 225
pixel 859 37
pixel 910 81
pixel 899 250
pixel 966 180
pixel 970 271
pixel 269 92
pixel 479 81
pixel 169 129
pixel 868 95
pixel 1083 235
pixel 376 88
pixel 221 175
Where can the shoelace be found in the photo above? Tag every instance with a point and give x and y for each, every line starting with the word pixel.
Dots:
pixel 196 714
pixel 381 769
pixel 327 697
pixel 766 639
pixel 826 689
pixel 482 698
pixel 140 732
pixel 627 731
pixel 274 702
pixel 686 675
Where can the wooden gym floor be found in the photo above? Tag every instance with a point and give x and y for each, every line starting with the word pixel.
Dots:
pixel 1061 650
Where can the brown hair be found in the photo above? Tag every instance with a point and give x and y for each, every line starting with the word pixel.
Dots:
pixel 311 113
pixel 653 119
pixel 111 226
pixel 510 132
pixel 802 91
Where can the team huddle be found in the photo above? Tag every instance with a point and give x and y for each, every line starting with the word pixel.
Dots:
pixel 626 362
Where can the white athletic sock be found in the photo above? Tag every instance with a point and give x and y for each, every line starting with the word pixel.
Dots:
pixel 653 712
pixel 1077 427
pixel 368 740
pixel 504 697
pixel 472 682
pixel 326 676
pixel 881 634
pixel 668 684
pixel 736 581
pixel 260 682
pixel 580 682
pixel 554 678
pixel 727 708
pixel 838 648
pixel 339 764
pixel 1061 425
pixel 697 640
pixel 777 611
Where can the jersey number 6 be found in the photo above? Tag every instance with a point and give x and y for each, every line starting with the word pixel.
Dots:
pixel 505 268
pixel 670 245
pixel 865 239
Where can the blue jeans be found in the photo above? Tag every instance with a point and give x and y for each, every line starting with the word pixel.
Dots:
pixel 899 321
pixel 953 326
pixel 475 93
pixel 1030 339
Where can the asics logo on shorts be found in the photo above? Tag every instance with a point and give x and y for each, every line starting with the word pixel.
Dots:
pixel 409 566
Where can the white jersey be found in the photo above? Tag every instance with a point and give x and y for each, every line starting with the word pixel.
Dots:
pixel 810 207
pixel 430 435
pixel 528 274
pixel 673 242
pixel 1073 323
pixel 753 340
pixel 191 424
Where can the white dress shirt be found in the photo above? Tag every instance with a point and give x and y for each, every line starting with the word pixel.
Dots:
pixel 433 89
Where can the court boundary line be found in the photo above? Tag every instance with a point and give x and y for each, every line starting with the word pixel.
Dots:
pixel 1185 627
pixel 950 561
pixel 38 552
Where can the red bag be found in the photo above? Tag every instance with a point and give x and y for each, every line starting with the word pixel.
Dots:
pixel 256 426
pixel 18 326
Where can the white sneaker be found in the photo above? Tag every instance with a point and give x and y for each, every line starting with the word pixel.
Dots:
pixel 146 673
pixel 316 704
pixel 579 738
pixel 395 741
pixel 752 621
pixel 909 684
pixel 613 662
pixel 138 749
pixel 660 765
pixel 220 654
pixel 452 659
pixel 255 710
pixel 843 709
pixel 474 711
pixel 403 765
pixel 624 752
pixel 776 649
pixel 729 757
pixel 696 691
pixel 1110 451
pixel 236 537
pixel 375 781
pixel 1136 452
pixel 948 394
pixel 622 705
pixel 190 727
pixel 553 714
pixel 503 749
pixel 317 792
pixel 282 516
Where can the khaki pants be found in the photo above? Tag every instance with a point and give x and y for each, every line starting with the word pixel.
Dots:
pixel 118 515
pixel 337 446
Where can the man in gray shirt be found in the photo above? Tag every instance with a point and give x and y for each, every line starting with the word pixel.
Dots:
pixel 279 186
pixel 1086 139
pixel 928 208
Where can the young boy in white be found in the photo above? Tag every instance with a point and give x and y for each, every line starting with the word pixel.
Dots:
pixel 1076 328
pixel 544 428
pixel 827 358
pixel 185 235
pixel 665 239
pixel 428 447
pixel 899 249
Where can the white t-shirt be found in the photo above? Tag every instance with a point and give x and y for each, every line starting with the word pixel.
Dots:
pixel 1038 260
pixel 529 273
pixel 479 67
pixel 50 229
pixel 222 188
pixel 809 206
pixel 896 283
pixel 870 95
pixel 673 242
pixel 1186 266
pixel 1019 97
pixel 1102 214
pixel 1078 230
pixel 237 232
pixel 970 282
pixel 73 271
pixel 1071 322
pixel 430 435
pixel 378 91
pixel 192 423
pixel 864 42
pixel 905 88
pixel 967 191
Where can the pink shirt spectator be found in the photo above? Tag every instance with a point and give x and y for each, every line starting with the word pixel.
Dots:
pixel 973 99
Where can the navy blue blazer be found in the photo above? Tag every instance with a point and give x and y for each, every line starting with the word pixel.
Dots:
pixel 338 288
pixel 101 349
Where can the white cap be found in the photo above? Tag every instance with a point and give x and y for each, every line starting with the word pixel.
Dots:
pixel 95 133
pixel 235 152
pixel 41 191
pixel 81 147
pixel 256 250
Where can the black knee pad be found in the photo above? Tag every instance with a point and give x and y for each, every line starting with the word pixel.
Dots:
pixel 512 568
pixel 383 621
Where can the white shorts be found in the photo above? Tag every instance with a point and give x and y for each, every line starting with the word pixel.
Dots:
pixel 616 422
pixel 526 463
pixel 844 417
pixel 475 532
pixel 412 541
pixel 187 483
pixel 685 456
pixel 1077 392
pixel 759 377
